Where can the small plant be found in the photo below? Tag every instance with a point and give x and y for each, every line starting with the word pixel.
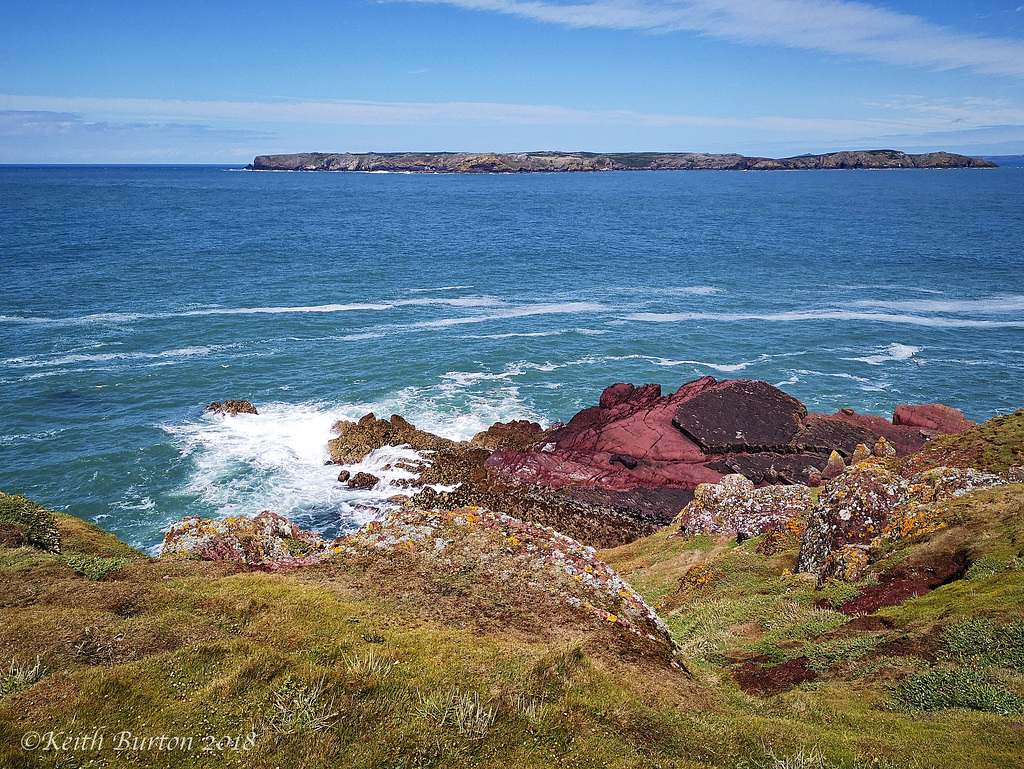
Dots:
pixel 462 710
pixel 299 707
pixel 21 676
pixel 957 688
pixel 36 524
pixel 986 566
pixel 369 665
pixel 473 718
pixel 532 708
pixel 805 759
pixel 93 566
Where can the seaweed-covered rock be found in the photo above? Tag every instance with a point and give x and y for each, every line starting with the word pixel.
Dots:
pixel 362 480
pixel 25 522
pixel 232 408
pixel 267 541
pixel 735 507
pixel 357 439
pixel 518 435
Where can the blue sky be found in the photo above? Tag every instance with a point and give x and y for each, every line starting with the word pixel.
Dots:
pixel 125 82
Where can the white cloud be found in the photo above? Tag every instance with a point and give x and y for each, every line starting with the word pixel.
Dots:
pixel 425 114
pixel 834 26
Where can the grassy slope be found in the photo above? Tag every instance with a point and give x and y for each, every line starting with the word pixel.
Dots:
pixel 354 663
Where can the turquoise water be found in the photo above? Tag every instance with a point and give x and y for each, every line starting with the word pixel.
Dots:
pixel 134 296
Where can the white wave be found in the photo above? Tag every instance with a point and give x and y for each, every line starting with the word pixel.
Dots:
pixel 551 308
pixel 814 315
pixel 464 301
pixel 271 461
pixel 893 352
pixel 996 305
pixel 68 360
pixel 439 288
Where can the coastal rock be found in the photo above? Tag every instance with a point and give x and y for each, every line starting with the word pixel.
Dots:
pixel 870 504
pixel 517 435
pixel 769 467
pixel 735 507
pixel 824 434
pixel 935 417
pixel 232 408
pixel 740 416
pixel 268 541
pixel 362 480
pixel 357 439
pixel 344 476
pixel 468 550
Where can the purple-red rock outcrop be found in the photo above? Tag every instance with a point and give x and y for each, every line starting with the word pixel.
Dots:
pixel 635 438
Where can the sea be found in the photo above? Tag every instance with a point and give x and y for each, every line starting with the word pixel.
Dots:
pixel 132 297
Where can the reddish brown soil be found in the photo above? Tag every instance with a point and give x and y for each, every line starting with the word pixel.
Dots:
pixel 755 679
pixel 902 584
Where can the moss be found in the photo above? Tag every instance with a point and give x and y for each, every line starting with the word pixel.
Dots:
pixel 995 446
pixel 36 524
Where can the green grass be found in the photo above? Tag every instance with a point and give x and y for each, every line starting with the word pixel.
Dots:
pixel 958 688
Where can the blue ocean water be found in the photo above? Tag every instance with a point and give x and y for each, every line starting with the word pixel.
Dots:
pixel 131 297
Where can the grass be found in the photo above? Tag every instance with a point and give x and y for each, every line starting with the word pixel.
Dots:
pixel 958 688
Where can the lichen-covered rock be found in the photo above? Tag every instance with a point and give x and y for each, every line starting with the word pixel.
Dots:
pixel 501 547
pixel 834 467
pixel 267 541
pixel 869 504
pixel 735 507
pixel 884 449
pixel 861 453
pixel 25 522
pixel 232 408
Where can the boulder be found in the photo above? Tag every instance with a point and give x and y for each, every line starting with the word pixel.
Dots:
pixel 741 416
pixel 935 417
pixel 357 439
pixel 362 480
pixel 268 541
pixel 869 504
pixel 232 408
pixel 518 435
pixel 735 507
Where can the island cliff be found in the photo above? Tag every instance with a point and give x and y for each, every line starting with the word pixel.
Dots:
pixel 552 162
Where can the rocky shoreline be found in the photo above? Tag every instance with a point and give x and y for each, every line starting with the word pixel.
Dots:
pixel 739 458
pixel 573 162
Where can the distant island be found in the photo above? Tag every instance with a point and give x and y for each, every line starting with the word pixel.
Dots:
pixel 554 162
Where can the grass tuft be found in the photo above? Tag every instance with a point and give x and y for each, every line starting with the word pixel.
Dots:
pixel 20 676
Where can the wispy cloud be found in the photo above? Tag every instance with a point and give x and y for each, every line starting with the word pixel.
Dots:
pixel 833 26
pixel 71 109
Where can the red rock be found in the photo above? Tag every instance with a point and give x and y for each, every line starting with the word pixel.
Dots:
pixel 741 416
pixel 933 416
